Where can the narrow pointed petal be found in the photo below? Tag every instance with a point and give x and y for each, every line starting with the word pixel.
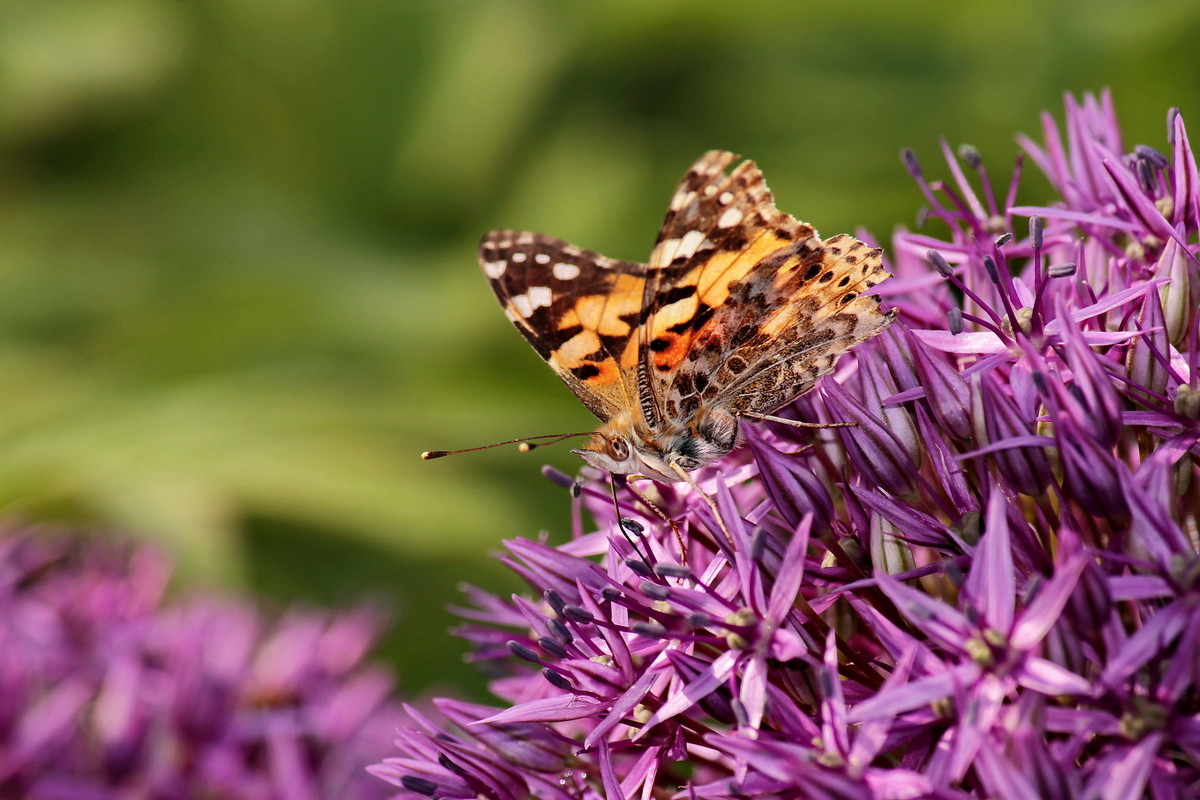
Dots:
pixel 790 574
pixel 792 486
pixel 685 698
pixel 1186 203
pixel 991 583
pixel 1041 614
pixel 948 395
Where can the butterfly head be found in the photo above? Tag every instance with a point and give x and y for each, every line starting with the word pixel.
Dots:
pixel 624 447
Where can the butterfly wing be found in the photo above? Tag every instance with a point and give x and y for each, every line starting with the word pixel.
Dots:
pixel 784 326
pixel 578 309
pixel 749 306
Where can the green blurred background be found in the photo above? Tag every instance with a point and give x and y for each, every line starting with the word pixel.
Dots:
pixel 238 290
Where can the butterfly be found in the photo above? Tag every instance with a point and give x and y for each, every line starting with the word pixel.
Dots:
pixel 740 310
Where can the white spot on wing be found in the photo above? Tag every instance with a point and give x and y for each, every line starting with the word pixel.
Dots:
pixel 710 190
pixel 689 243
pixel 725 198
pixel 539 297
pixel 681 199
pixel 565 272
pixel 542 258
pixel 730 218
pixel 494 269
pixel 518 258
pixel 520 304
pixel 684 247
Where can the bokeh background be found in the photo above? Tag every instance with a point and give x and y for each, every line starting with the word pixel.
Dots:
pixel 238 290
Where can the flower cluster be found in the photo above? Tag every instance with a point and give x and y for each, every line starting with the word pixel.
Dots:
pixel 107 691
pixel 988 586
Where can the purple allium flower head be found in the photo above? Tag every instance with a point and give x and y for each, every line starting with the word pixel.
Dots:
pixel 109 690
pixel 988 587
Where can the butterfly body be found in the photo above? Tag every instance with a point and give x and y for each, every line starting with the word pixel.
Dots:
pixel 740 310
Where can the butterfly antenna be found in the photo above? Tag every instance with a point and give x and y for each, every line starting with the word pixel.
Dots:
pixel 528 446
pixel 525 444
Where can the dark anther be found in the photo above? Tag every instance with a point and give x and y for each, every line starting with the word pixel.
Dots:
pixel 969 154
pixel 938 262
pixel 522 652
pixel 557 679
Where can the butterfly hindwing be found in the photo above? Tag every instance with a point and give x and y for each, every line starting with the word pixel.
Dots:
pixel 782 328
pixel 578 309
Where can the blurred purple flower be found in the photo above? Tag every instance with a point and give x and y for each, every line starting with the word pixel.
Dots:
pixel 988 587
pixel 107 690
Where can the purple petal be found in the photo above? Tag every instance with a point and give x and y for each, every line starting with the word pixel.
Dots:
pixel 1094 382
pixel 794 489
pixel 1026 469
pixel 608 775
pixel 914 694
pixel 991 582
pixel 1136 200
pixel 1187 185
pixel 985 699
pixel 790 574
pixel 752 692
pixel 1124 778
pixel 526 745
pixel 547 709
pixel 873 449
pixel 1001 778
pixel 1153 638
pixel 872 734
pixel 1050 679
pixel 1049 212
pixel 689 695
pixel 948 395
pixel 833 702
pixel 1041 614
pixel 1145 365
pixel 912 524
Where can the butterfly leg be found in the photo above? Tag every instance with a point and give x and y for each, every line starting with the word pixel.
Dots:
pixel 712 504
pixel 663 515
pixel 797 423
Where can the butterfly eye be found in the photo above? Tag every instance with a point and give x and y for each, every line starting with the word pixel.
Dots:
pixel 688 463
pixel 618 448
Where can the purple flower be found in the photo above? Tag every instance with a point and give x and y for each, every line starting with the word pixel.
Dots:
pixel 111 690
pixel 987 587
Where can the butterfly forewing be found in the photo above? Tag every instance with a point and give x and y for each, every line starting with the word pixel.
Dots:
pixel 738 288
pixel 577 308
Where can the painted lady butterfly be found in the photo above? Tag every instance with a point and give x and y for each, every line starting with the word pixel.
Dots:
pixel 740 310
